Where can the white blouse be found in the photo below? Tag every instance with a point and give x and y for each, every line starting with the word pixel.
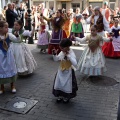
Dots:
pixel 25 33
pixel 84 39
pixel 71 56
pixel 11 37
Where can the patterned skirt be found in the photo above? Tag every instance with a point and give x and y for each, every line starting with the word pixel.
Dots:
pixel 25 61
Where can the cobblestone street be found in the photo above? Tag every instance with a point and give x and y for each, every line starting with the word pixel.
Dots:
pixel 93 101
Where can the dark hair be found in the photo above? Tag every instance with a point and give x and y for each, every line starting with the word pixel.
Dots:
pixel 65 43
pixel 95 26
pixel 116 20
pixel 2 23
pixel 5 7
pixel 60 10
pixel 20 23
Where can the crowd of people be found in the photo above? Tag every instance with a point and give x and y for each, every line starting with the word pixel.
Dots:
pixel 67 30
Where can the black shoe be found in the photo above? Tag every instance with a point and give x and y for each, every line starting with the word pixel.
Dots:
pixel 41 50
pixel 59 100
pixel 66 100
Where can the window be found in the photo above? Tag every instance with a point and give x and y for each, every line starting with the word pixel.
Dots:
pixel 96 4
pixel 112 5
pixel 75 5
pixel 64 5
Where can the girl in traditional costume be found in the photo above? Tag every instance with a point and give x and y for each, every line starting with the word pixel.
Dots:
pixel 67 25
pixel 65 84
pixel 57 33
pixel 8 70
pixel 112 49
pixel 25 61
pixel 77 27
pixel 92 61
pixel 43 37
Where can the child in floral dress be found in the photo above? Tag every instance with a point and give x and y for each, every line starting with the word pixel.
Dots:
pixel 43 37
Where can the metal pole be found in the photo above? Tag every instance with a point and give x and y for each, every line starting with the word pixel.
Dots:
pixel 30 41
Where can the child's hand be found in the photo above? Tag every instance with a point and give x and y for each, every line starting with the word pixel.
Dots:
pixel 72 37
pixel 111 34
pixel 16 34
pixel 111 39
pixel 54 51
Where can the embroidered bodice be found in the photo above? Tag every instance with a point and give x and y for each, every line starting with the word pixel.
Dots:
pixel 116 31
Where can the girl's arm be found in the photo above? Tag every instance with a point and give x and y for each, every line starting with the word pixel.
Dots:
pixel 47 19
pixel 80 39
pixel 106 39
pixel 13 38
pixel 72 59
pixel 57 57
pixel 28 33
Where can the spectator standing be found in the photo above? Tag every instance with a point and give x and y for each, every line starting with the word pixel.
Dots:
pixel 20 12
pixel 106 11
pixel 98 19
pixel 10 16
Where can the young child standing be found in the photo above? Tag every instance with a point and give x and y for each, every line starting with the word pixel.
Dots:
pixel 112 49
pixel 8 71
pixel 25 61
pixel 65 84
pixel 43 37
pixel 92 61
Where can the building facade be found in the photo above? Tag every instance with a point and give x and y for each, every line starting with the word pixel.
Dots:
pixel 76 3
pixel 82 4
pixel 66 4
pixel 112 3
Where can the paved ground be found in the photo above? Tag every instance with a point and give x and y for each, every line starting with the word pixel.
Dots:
pixel 92 102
